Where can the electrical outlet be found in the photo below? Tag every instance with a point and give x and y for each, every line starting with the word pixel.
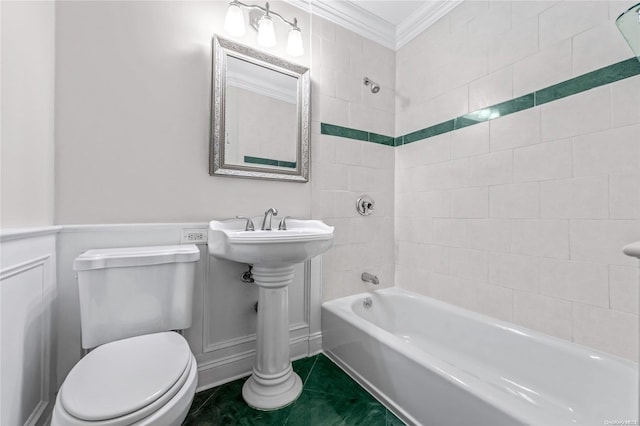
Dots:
pixel 194 236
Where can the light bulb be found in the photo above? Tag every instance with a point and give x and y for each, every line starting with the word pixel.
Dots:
pixel 266 35
pixel 234 21
pixel 294 42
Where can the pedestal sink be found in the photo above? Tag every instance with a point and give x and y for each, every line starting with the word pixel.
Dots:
pixel 273 255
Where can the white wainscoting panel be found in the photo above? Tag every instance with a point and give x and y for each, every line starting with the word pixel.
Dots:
pixel 27 346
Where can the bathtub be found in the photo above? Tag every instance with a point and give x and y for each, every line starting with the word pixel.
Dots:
pixel 436 364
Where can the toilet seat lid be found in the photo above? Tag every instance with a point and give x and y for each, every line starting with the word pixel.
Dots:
pixel 124 376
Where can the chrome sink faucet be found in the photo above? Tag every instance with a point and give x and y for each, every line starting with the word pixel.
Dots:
pixel 266 222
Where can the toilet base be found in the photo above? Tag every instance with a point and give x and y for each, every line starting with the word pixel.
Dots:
pixel 265 395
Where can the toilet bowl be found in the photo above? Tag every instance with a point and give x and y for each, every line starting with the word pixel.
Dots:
pixel 139 371
pixel 145 380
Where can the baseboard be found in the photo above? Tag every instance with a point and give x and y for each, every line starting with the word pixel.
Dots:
pixel 223 370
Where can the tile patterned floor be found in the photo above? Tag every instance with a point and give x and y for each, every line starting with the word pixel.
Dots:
pixel 329 397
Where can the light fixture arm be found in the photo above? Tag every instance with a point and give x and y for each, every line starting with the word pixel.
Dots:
pixel 267 11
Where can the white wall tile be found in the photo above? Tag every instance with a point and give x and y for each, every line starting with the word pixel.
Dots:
pixel 431 204
pixel 624 285
pixel 491 89
pixel 517 201
pixel 330 110
pixel 488 234
pixel 449 232
pixel 450 289
pixel 469 264
pixel 518 43
pixel 495 20
pixel 348 151
pixel 601 241
pixel 576 281
pixel 612 151
pixel 453 103
pixel 451 174
pixel 624 196
pixel 334 56
pixel 565 19
pixel 521 10
pixel 546 314
pixel 515 130
pixel 491 169
pixel 470 141
pixel 438 259
pixel 432 150
pixel 586 112
pixel 514 271
pixel 331 177
pixel 546 238
pixel 550 160
pixel 598 47
pixel 378 156
pixel 550 66
pixel 605 329
pixel 470 203
pixel 558 164
pixel 496 302
pixel 586 197
pixel 625 101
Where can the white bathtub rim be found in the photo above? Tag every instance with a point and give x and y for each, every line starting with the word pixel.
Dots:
pixel 345 304
pixel 484 391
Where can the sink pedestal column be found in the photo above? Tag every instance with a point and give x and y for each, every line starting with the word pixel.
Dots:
pixel 273 383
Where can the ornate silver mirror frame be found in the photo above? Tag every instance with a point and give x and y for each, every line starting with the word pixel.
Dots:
pixel 222 50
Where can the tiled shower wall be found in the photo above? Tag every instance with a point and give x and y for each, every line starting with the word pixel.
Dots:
pixel 523 217
pixel 343 169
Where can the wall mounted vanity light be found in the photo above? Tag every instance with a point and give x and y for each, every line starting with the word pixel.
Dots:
pixel 261 20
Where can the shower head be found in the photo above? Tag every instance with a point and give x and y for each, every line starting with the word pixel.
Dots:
pixel 375 87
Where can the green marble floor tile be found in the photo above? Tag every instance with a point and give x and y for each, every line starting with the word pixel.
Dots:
pixel 200 399
pixel 303 367
pixel 392 420
pixel 325 409
pixel 226 407
pixel 329 378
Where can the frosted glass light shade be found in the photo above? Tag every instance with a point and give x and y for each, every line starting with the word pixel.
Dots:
pixel 266 35
pixel 294 43
pixel 234 21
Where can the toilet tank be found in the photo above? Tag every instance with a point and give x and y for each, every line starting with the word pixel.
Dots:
pixel 126 292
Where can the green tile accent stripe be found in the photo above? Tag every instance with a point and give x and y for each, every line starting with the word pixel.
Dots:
pixel 269 162
pixel 591 80
pixel 495 111
pixel 428 132
pixel 361 135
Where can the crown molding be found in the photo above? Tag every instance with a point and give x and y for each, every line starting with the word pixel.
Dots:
pixel 422 19
pixel 352 17
pixel 349 15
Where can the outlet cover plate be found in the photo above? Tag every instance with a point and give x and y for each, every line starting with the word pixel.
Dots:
pixel 194 236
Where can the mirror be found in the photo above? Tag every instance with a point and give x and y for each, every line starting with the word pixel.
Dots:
pixel 259 115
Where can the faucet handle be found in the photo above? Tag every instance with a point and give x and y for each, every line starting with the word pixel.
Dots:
pixel 283 223
pixel 249 225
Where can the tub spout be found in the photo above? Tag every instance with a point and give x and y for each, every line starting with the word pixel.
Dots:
pixel 369 278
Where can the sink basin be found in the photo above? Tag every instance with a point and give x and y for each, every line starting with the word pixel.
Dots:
pixel 273 254
pixel 302 240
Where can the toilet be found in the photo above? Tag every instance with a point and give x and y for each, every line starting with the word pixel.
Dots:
pixel 139 370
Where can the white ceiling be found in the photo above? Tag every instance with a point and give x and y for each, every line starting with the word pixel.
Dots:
pixel 392 23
